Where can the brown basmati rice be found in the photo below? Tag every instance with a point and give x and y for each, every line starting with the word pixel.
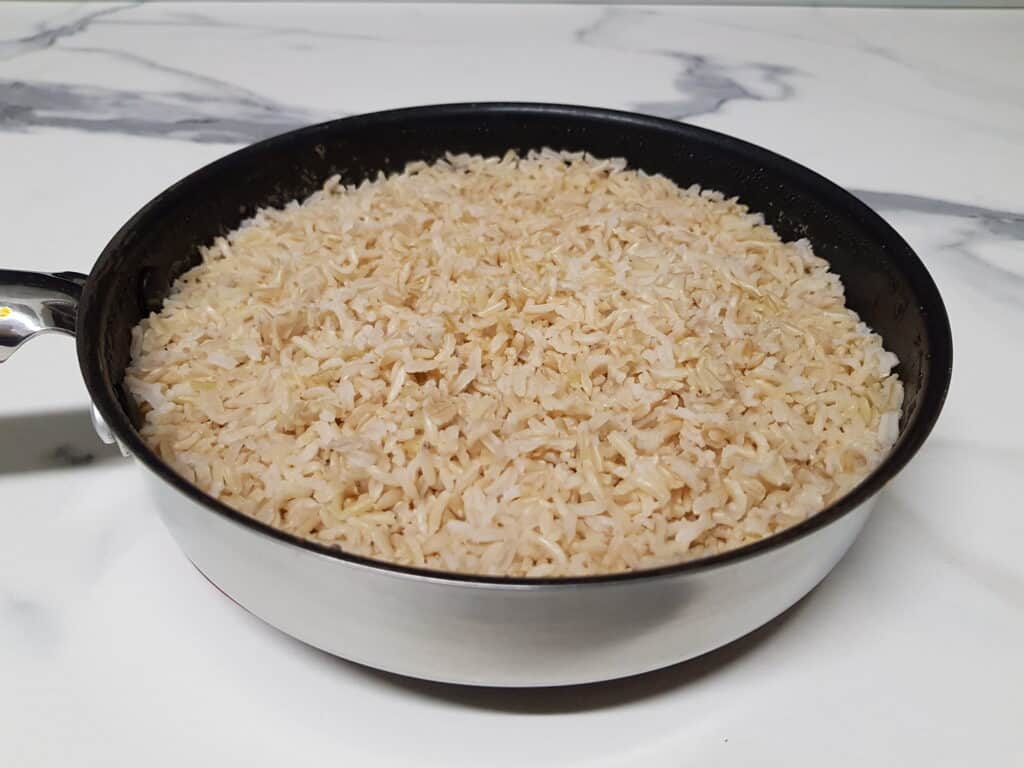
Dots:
pixel 537 365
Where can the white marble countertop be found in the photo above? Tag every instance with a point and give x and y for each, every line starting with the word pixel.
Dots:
pixel 113 651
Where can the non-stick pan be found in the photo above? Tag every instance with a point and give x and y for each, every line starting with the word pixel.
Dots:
pixel 473 629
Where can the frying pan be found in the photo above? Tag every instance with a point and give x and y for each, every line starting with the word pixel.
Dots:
pixel 475 629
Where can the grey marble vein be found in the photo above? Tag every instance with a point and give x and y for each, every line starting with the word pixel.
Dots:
pixel 974 226
pixel 47 36
pixel 1003 223
pixel 705 85
pixel 992 280
pixel 203 82
pixel 191 19
pixel 222 117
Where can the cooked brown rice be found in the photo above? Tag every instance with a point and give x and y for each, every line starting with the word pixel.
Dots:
pixel 544 365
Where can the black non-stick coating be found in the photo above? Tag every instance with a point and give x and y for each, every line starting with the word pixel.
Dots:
pixel 885 282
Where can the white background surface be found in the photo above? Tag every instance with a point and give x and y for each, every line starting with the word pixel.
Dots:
pixel 114 651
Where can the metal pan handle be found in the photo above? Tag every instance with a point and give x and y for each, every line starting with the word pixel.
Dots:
pixel 36 302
